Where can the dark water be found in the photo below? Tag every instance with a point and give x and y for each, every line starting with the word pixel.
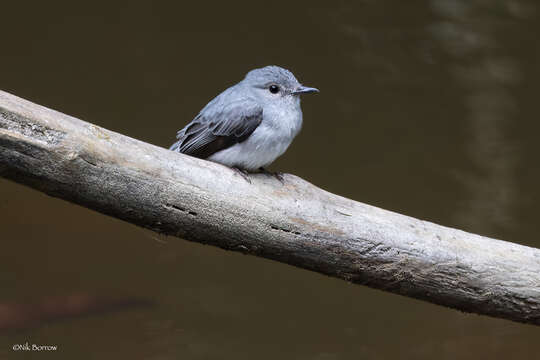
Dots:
pixel 427 108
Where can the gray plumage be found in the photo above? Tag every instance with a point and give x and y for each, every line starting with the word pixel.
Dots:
pixel 248 125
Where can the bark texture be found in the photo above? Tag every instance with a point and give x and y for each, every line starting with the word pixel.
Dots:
pixel 294 222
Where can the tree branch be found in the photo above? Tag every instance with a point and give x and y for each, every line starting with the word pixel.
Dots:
pixel 295 222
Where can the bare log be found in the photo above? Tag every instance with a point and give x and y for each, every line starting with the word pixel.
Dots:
pixel 295 222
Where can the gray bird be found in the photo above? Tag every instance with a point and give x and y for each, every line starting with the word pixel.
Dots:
pixel 250 124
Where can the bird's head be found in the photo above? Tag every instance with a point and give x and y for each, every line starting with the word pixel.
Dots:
pixel 276 84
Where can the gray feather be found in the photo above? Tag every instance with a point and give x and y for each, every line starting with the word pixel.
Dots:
pixel 219 125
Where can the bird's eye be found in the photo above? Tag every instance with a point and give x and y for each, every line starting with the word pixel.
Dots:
pixel 274 89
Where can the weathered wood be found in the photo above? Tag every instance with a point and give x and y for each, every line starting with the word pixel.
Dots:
pixel 295 222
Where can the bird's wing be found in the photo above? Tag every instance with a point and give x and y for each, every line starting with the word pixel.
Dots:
pixel 219 127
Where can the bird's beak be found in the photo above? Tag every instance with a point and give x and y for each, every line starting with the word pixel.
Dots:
pixel 305 90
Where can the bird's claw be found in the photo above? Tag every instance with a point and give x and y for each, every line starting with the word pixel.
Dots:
pixel 242 173
pixel 278 175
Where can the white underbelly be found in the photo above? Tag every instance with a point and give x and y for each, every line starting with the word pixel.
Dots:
pixel 269 140
pixel 259 150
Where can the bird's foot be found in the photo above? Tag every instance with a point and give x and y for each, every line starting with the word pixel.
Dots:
pixel 242 173
pixel 278 175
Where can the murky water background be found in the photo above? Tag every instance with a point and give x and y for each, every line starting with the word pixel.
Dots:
pixel 427 108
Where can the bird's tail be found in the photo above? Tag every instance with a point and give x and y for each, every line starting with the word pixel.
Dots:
pixel 175 147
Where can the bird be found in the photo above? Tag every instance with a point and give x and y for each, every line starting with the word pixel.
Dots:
pixel 250 124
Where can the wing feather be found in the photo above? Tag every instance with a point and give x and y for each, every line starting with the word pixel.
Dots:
pixel 219 127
